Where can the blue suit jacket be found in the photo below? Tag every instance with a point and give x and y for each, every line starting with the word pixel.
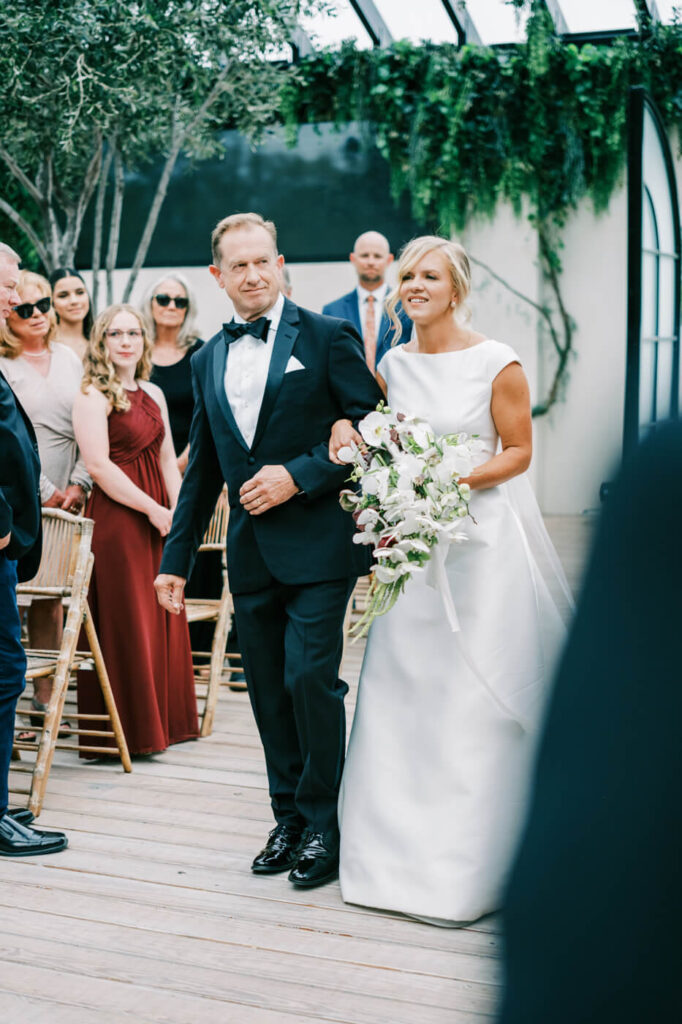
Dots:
pixel 309 538
pixel 19 484
pixel 348 308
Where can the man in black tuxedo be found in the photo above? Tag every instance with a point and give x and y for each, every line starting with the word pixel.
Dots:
pixel 365 306
pixel 20 547
pixel 594 902
pixel 268 388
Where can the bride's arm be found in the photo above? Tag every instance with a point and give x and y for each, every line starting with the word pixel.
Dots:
pixel 510 407
pixel 344 433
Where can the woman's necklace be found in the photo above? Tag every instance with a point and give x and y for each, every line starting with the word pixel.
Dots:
pixel 35 355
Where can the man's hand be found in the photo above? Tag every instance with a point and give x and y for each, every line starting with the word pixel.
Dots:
pixel 56 499
pixel 4 541
pixel 169 592
pixel 271 486
pixel 74 499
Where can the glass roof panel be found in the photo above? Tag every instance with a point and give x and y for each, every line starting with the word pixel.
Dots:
pixel 666 9
pixel 332 30
pixel 495 21
pixel 426 20
pixel 604 16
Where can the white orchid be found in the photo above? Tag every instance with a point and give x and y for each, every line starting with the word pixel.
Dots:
pixel 409 498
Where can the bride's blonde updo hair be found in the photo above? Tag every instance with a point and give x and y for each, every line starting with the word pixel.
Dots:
pixel 460 273
pixel 98 369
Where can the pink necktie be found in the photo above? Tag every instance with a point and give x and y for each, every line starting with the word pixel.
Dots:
pixel 369 333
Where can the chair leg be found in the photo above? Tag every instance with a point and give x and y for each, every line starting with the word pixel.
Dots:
pixel 222 628
pixel 53 715
pixel 105 685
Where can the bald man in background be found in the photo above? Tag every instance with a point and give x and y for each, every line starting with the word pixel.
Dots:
pixel 365 306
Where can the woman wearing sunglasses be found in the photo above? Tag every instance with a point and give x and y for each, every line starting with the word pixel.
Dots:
pixel 170 311
pixel 71 303
pixel 46 377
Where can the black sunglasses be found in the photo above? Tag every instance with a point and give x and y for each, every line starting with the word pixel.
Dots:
pixel 179 301
pixel 25 310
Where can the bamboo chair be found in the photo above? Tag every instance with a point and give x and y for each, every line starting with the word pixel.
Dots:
pixel 222 666
pixel 64 572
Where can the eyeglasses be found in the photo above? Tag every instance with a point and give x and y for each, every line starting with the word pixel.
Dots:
pixel 115 334
pixel 25 310
pixel 179 301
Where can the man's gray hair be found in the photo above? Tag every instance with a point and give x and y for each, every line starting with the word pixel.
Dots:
pixel 8 252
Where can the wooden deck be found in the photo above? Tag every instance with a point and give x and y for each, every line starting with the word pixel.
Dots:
pixel 152 914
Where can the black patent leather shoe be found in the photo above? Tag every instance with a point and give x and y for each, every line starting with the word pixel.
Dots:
pixel 21 814
pixel 318 860
pixel 280 852
pixel 17 840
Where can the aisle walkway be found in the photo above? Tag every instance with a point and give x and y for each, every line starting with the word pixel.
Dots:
pixel 152 914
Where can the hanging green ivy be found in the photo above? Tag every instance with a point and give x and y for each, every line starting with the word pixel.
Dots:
pixel 462 128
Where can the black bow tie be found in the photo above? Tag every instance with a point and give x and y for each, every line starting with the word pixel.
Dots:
pixel 258 328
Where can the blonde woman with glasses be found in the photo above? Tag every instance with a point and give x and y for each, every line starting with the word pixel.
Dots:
pixel 121 422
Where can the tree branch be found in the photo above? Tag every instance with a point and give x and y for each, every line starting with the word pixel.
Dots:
pixel 21 176
pixel 115 225
pixel 27 229
pixel 99 222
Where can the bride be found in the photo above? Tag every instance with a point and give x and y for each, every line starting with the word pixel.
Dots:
pixel 437 773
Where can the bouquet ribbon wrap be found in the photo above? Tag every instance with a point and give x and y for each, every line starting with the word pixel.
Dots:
pixel 435 576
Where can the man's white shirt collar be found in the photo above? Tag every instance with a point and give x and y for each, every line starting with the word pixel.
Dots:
pixel 274 315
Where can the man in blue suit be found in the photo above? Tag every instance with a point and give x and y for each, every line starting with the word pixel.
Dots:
pixel 20 547
pixel 268 388
pixel 365 306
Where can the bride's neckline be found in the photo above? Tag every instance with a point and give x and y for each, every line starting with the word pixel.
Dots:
pixel 446 352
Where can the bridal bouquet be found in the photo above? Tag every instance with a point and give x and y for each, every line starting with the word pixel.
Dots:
pixel 409 498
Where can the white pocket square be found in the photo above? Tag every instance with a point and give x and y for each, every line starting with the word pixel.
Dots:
pixel 294 364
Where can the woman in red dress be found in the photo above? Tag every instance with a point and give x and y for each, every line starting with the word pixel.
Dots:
pixel 121 425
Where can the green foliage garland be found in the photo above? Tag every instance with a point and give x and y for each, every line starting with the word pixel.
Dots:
pixel 543 121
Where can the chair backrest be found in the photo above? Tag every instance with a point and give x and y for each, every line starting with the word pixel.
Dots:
pixel 216 533
pixel 66 548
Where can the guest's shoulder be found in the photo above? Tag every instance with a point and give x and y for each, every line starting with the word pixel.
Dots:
pixel 65 356
pixel 336 306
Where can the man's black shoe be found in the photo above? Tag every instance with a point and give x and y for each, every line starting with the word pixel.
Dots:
pixel 21 814
pixel 17 840
pixel 318 860
pixel 280 852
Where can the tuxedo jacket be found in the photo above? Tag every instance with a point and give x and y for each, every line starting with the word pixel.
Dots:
pixel 348 308
pixel 307 539
pixel 19 485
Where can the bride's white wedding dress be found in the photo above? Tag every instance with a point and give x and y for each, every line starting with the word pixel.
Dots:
pixel 437 773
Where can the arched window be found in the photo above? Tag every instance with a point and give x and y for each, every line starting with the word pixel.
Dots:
pixel 652 380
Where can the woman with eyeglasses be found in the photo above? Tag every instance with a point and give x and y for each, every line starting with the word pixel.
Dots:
pixel 121 422
pixel 45 376
pixel 71 304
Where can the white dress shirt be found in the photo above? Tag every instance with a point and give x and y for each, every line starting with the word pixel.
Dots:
pixel 246 372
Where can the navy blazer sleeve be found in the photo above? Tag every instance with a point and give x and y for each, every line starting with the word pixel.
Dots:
pixel 357 393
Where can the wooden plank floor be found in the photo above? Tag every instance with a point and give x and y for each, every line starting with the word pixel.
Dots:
pixel 152 914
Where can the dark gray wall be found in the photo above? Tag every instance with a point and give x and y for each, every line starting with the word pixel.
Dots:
pixel 321 194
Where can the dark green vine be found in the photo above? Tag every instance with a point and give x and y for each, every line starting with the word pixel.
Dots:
pixel 461 129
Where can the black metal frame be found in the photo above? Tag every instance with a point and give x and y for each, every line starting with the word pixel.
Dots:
pixel 638 101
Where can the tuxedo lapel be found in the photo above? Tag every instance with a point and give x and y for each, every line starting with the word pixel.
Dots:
pixel 219 362
pixel 285 338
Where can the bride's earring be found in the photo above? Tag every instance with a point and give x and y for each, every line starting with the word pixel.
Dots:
pixel 453 303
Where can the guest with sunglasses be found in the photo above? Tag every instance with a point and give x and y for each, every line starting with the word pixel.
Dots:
pixel 170 311
pixel 72 307
pixel 45 376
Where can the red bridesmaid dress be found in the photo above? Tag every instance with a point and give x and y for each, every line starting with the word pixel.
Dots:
pixel 146 650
